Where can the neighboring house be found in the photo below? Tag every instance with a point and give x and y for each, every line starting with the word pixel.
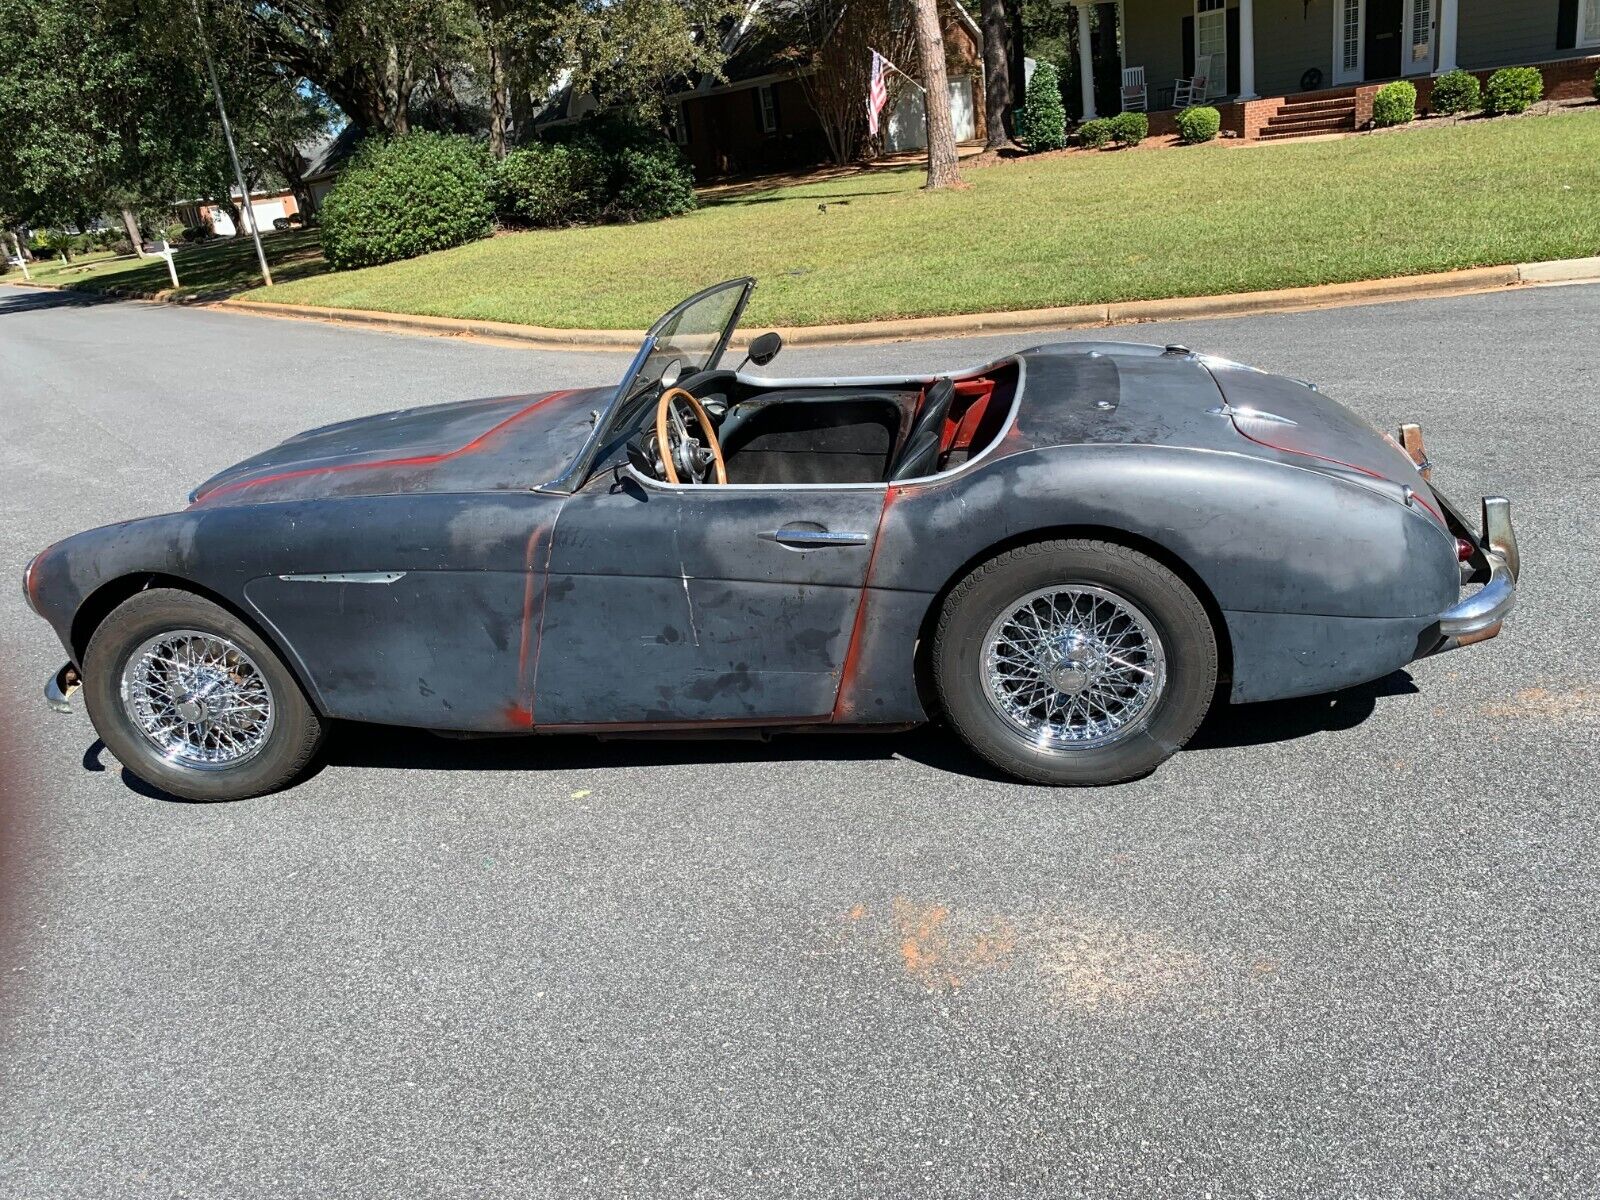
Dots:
pixel 1266 55
pixel 265 207
pixel 327 158
pixel 758 118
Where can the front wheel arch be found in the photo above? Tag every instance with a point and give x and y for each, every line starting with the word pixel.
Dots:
pixel 105 600
pixel 927 692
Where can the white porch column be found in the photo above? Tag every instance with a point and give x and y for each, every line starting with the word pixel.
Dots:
pixel 1449 21
pixel 1247 50
pixel 1086 59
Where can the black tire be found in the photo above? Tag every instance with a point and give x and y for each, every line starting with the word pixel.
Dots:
pixel 296 731
pixel 1187 640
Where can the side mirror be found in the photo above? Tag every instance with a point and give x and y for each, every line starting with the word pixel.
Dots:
pixel 764 349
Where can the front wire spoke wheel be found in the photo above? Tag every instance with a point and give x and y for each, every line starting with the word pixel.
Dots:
pixel 198 699
pixel 1073 667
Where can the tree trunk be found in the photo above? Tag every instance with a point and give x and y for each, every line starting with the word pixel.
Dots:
pixel 996 75
pixel 130 224
pixel 499 101
pixel 1019 61
pixel 942 172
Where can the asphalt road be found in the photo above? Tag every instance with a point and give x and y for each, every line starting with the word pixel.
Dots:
pixel 1339 947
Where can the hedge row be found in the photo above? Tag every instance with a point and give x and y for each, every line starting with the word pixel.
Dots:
pixel 430 191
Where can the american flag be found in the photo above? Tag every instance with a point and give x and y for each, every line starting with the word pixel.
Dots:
pixel 877 91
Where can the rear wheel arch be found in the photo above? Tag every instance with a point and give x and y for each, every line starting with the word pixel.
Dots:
pixel 927 692
pixel 105 600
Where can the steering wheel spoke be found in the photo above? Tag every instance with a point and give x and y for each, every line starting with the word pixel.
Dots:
pixel 680 450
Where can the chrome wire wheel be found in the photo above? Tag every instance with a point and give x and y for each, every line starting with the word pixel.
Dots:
pixel 1073 667
pixel 199 699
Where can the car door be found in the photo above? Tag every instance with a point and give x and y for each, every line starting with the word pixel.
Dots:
pixel 701 604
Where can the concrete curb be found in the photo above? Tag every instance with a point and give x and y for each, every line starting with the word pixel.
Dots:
pixel 1082 316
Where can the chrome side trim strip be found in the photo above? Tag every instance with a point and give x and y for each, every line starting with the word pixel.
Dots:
pixel 348 577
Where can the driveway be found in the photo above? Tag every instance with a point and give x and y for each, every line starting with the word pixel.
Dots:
pixel 1339 947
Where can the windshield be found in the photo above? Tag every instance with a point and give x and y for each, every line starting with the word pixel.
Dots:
pixel 692 335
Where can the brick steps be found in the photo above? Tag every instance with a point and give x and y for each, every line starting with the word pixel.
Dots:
pixel 1306 118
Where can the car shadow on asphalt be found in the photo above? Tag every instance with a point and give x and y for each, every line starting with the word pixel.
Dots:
pixel 390 748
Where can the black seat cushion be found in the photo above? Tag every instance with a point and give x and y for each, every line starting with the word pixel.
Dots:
pixel 935 407
pixel 921 457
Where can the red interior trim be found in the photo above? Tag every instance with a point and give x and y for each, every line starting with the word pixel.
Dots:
pixel 960 432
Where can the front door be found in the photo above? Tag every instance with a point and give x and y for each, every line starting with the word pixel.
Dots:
pixel 1383 49
pixel 700 605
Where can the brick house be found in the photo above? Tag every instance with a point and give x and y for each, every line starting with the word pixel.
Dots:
pixel 758 119
pixel 1287 67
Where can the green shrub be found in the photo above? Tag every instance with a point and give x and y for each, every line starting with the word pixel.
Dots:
pixel 544 185
pixel 1456 92
pixel 402 198
pixel 1513 90
pixel 1395 104
pixel 645 176
pixel 1596 88
pixel 1095 133
pixel 1130 128
pixel 1199 124
pixel 651 182
pixel 1043 125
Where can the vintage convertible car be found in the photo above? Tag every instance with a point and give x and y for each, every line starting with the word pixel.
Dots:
pixel 1067 554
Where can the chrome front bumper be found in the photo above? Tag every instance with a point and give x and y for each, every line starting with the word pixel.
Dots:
pixel 1478 617
pixel 60 686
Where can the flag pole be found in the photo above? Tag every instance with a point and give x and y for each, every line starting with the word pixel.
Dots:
pixel 899 72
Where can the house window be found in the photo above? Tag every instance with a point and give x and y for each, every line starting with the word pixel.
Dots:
pixel 1589 22
pixel 1350 39
pixel 769 111
pixel 680 124
pixel 1211 38
pixel 1421 30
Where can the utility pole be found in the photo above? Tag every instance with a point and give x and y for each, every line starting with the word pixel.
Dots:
pixel 233 155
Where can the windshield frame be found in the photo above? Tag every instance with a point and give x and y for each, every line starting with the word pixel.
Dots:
pixel 631 381
pixel 631 385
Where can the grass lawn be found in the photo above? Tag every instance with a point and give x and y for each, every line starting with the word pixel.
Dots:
pixel 222 266
pixel 1081 228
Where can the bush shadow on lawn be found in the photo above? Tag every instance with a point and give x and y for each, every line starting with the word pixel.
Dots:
pixel 215 269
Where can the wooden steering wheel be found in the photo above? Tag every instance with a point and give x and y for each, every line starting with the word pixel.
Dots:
pixel 681 452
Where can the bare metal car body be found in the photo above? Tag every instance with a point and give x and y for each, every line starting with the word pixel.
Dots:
pixel 503 565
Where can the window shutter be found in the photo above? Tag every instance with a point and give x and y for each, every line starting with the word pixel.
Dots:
pixel 1233 51
pixel 1567 25
pixel 1188 45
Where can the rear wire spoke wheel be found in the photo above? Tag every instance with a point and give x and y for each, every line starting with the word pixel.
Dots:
pixel 194 701
pixel 1073 667
pixel 1074 662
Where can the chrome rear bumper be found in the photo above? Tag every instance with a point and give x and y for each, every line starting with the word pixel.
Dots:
pixel 1477 618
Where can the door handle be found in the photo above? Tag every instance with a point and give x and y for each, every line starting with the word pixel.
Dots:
pixel 808 537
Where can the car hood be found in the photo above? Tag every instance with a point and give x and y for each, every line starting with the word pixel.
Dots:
pixel 495 444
